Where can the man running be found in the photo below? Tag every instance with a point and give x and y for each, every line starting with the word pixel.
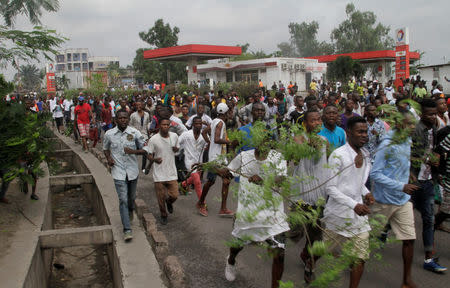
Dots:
pixel 310 176
pixel 83 116
pixel 193 144
pixel 390 176
pixel 269 223
pixel 121 144
pixel 161 151
pixel 345 214
pixel 217 147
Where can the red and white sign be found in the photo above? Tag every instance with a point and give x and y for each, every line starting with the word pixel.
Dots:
pixel 402 36
pixel 51 83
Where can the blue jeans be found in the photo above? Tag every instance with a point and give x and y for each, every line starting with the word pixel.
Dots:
pixel 423 200
pixel 126 190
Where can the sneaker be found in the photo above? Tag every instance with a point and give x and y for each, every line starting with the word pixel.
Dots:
pixel 143 171
pixel 169 207
pixel 34 197
pixel 127 236
pixel 203 210
pixel 433 266
pixel 163 220
pixel 226 213
pixel 230 271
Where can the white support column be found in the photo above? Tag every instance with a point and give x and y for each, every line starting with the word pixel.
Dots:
pixel 192 76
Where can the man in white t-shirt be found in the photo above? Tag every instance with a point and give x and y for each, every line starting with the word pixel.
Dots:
pixel 67 103
pixel 389 91
pixel 217 147
pixel 206 120
pixel 193 144
pixel 161 150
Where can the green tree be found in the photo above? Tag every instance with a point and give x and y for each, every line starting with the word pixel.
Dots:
pixel 9 9
pixel 360 32
pixel 29 77
pixel 286 49
pixel 343 68
pixel 114 73
pixel 27 45
pixel 159 36
pixel 62 83
pixel 304 40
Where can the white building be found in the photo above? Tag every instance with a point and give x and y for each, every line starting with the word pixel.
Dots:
pixel 76 64
pixel 269 70
pixel 436 72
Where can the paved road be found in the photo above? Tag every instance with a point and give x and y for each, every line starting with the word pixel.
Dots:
pixel 199 243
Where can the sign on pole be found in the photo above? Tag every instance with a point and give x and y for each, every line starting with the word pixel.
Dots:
pixel 401 55
pixel 51 81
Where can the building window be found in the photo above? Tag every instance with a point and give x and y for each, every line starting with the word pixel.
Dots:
pixel 69 57
pixel 60 67
pixel 84 57
pixel 69 66
pixel 85 66
pixel 76 56
pixel 59 58
pixel 116 63
pixel 229 76
pixel 91 66
pixel 76 66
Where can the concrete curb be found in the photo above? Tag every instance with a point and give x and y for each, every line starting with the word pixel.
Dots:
pixel 169 263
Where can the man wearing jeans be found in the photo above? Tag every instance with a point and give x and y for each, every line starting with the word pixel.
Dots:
pixel 121 146
pixel 422 159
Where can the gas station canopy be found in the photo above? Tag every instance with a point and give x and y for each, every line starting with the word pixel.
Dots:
pixel 366 57
pixel 197 51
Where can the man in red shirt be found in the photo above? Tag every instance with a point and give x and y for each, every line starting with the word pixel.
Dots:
pixel 83 119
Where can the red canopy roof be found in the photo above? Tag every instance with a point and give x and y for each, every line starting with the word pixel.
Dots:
pixel 366 57
pixel 184 52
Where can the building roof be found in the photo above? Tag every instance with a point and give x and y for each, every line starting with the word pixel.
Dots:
pixel 184 52
pixel 366 57
pixel 434 65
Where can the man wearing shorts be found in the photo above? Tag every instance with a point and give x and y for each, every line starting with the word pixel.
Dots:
pixel 217 146
pixel 83 119
pixel 161 150
pixel 345 214
pixel 390 175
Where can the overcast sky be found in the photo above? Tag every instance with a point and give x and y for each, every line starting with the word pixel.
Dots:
pixel 111 27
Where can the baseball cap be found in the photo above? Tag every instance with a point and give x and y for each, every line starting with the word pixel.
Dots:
pixel 80 98
pixel 222 108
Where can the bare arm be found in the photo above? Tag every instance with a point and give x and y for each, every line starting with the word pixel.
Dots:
pixel 217 138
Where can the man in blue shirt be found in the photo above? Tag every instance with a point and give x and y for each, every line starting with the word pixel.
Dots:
pixel 390 176
pixel 334 134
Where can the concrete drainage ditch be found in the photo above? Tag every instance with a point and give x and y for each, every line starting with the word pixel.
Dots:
pixel 80 243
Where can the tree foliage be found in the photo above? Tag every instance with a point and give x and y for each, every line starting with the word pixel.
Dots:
pixel 159 36
pixel 23 140
pixel 357 33
pixel 343 68
pixel 27 45
pixel 304 40
pixel 360 32
pixel 9 9
pixel 29 77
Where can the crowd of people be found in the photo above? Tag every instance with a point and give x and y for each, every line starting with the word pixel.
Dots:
pixel 376 166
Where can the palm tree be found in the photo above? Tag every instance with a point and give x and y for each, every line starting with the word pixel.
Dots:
pixel 29 77
pixel 31 8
